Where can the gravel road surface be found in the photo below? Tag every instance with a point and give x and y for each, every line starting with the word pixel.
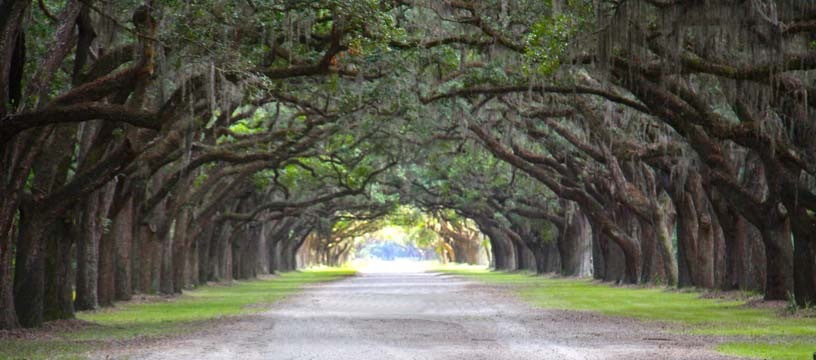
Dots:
pixel 412 314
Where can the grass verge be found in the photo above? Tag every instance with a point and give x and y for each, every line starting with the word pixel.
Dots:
pixel 143 321
pixel 759 333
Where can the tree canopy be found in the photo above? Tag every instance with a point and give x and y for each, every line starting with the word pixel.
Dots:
pixel 161 144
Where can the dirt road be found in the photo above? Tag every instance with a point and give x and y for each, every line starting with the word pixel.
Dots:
pixel 416 315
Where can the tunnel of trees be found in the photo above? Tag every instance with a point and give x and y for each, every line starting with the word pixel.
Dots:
pixel 405 233
pixel 149 147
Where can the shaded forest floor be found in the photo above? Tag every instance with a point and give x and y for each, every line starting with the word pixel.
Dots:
pixel 740 324
pixel 149 318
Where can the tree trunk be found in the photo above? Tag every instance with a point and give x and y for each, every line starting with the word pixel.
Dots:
pixel 737 265
pixel 29 267
pixel 614 261
pixel 8 314
pixel 757 258
pixel 804 257
pixel 179 248
pixel 471 251
pixel 503 250
pixel 627 245
pixel 204 247
pixel 666 222
pixel 136 261
pixel 262 264
pixel 243 250
pixel 290 253
pixel 272 255
pixel 279 253
pixel 615 242
pixel 695 234
pixel 59 302
pixel 575 245
pixel 191 270
pixel 540 254
pixel 218 253
pixel 652 261
pixel 511 260
pixel 236 258
pixel 552 258
pixel 497 249
pixel 123 232
pixel 105 286
pixel 166 275
pixel 598 261
pixel 39 220
pixel 87 253
pixel 249 257
pixel 779 259
pixel 148 253
pixel 525 260
pixel 227 275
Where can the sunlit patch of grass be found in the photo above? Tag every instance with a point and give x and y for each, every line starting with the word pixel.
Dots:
pixel 701 315
pixel 173 316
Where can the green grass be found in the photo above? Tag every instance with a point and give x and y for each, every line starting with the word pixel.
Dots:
pixel 783 350
pixel 166 317
pixel 41 349
pixel 771 336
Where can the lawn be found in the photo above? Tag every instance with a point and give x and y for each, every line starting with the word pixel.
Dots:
pixel 130 321
pixel 760 333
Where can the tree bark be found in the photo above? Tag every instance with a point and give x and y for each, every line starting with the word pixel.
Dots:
pixel 123 231
pixel 8 314
pixel 549 257
pixel 666 222
pixel 575 245
pixel 11 17
pixel 166 274
pixel 776 235
pixel 598 260
pixel 804 257
pixel 105 283
pixel 695 234
pixel 503 251
pixel 525 260
pixel 737 252
pixel 204 247
pixel 148 254
pixel 15 157
pixel 614 261
pixel 180 249
pixel 87 254
pixel 29 267
pixel 59 302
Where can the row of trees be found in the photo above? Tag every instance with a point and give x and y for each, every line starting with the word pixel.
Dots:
pixel 683 142
pixel 142 153
pixel 150 147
